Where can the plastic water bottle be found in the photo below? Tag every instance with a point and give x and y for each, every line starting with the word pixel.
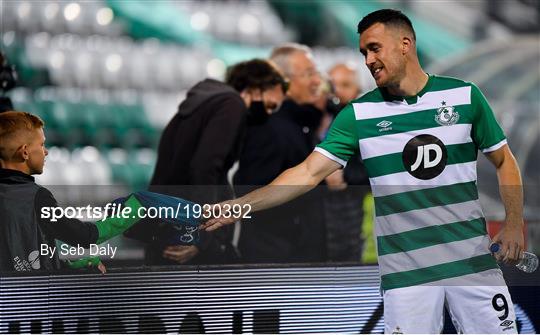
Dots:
pixel 528 262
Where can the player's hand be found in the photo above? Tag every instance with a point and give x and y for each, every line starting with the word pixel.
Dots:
pixel 226 217
pixel 180 253
pixel 512 243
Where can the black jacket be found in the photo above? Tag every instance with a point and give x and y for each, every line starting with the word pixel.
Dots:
pixel 197 149
pixel 293 232
pixel 273 147
pixel 202 141
pixel 23 230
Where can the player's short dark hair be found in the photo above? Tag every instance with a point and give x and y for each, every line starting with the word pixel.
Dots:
pixel 391 17
pixel 255 73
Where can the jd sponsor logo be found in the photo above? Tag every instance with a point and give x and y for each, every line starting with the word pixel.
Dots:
pixel 424 157
pixel 384 125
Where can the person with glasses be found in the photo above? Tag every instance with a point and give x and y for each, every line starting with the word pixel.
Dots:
pixel 285 140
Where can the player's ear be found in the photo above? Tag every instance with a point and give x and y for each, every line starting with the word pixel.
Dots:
pixel 406 44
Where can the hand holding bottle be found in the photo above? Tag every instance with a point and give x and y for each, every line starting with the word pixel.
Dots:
pixel 528 262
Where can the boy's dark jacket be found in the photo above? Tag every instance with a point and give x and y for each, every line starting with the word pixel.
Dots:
pixel 23 231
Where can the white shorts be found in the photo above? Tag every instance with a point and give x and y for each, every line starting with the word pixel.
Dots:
pixel 474 309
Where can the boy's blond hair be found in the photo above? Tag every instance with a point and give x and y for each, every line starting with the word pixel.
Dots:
pixel 16 129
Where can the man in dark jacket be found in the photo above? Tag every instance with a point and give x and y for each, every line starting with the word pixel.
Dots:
pixel 347 187
pixel 297 232
pixel 201 143
pixel 23 227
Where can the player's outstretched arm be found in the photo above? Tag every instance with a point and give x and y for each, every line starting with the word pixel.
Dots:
pixel 511 190
pixel 287 186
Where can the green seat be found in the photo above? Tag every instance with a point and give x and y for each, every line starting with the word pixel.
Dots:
pixel 142 174
pixel 60 114
pixel 87 120
pixel 54 132
pixel 122 174
pixel 118 163
pixel 68 123
pixel 107 122
pixel 43 108
pixel 142 163
pixel 136 116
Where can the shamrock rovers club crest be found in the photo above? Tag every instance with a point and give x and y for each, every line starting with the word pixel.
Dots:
pixel 446 115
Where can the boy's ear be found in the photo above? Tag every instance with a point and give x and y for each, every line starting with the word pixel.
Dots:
pixel 23 152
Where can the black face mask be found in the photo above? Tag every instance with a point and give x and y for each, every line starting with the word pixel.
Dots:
pixel 257 114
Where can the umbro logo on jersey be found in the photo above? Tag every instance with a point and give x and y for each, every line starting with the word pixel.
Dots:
pixel 507 324
pixel 424 157
pixel 384 125
pixel 397 331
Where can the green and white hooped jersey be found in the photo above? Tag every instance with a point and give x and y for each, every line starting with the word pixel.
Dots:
pixel 420 154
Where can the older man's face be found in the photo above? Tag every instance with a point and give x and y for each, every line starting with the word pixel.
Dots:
pixel 304 79
pixel 345 83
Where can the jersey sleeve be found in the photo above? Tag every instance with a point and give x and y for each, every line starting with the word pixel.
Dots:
pixel 341 141
pixel 486 131
pixel 69 230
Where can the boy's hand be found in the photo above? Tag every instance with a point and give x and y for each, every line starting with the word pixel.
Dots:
pixel 180 253
pixel 101 267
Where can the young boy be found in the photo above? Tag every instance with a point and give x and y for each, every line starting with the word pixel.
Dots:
pixel 22 229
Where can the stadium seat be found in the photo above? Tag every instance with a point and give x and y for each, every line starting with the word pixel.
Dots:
pixel 91 161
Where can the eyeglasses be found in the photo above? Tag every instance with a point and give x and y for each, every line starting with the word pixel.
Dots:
pixel 311 73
